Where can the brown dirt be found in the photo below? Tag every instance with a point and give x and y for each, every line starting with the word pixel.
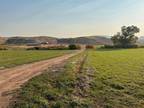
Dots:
pixel 12 78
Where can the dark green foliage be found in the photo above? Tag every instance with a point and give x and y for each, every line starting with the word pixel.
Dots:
pixel 3 49
pixel 108 46
pixel 73 47
pixel 118 46
pixel 126 38
pixel 49 48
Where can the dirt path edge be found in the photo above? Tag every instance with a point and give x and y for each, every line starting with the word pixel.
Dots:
pixel 12 78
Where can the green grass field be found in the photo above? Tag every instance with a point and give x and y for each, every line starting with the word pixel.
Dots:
pixel 101 79
pixel 118 77
pixel 12 58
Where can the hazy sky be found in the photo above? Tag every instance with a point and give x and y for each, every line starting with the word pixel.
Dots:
pixel 69 18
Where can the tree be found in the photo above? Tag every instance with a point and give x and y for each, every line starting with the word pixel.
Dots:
pixel 126 38
pixel 73 47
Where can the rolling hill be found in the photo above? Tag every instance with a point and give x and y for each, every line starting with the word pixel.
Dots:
pixel 30 40
pixel 93 40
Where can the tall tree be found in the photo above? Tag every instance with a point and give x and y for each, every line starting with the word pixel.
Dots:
pixel 126 38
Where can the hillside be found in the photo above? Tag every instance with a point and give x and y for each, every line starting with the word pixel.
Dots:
pixel 30 40
pixel 98 40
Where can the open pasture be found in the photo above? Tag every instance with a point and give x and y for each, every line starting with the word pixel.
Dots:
pixel 10 58
pixel 94 79
pixel 118 80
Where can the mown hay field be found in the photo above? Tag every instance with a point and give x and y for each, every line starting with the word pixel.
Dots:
pixel 10 58
pixel 94 79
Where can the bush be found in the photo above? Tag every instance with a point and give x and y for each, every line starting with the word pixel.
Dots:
pixel 118 46
pixel 3 49
pixel 73 47
pixel 48 48
pixel 56 47
pixel 132 46
pixel 89 47
pixel 141 46
pixel 108 46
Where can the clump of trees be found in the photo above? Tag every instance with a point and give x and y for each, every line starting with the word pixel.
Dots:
pixel 126 38
pixel 74 47
pixel 55 47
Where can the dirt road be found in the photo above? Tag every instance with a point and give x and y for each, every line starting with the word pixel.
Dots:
pixel 12 78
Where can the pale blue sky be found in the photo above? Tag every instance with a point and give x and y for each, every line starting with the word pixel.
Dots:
pixel 69 18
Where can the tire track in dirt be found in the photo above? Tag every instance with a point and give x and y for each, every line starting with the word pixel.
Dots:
pixel 12 78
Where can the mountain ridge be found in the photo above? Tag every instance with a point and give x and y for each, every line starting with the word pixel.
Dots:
pixel 98 40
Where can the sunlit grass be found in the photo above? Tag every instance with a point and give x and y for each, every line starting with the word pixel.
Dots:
pixel 10 58
pixel 108 79
pixel 119 77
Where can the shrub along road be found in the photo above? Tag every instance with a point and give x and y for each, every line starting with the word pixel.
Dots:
pixel 12 78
